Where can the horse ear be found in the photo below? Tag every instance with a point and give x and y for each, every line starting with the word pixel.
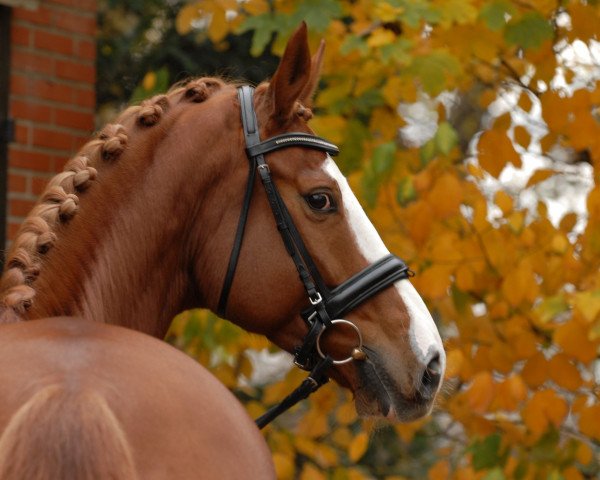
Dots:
pixel 292 75
pixel 306 97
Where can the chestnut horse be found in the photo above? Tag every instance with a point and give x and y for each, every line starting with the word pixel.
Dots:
pixel 141 225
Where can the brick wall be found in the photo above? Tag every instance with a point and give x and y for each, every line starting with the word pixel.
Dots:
pixel 51 95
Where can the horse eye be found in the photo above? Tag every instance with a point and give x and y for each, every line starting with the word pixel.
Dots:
pixel 321 202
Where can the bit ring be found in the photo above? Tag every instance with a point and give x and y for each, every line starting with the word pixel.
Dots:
pixel 358 348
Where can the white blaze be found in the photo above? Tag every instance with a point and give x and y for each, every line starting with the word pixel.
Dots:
pixel 424 335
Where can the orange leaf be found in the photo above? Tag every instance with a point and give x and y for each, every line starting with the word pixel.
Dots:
pixel 495 151
pixel 522 136
pixel 572 337
pixel 545 408
pixel 539 176
pixel 588 421
pixel 535 371
pixel 564 372
pixel 504 201
pixel 481 392
pixel 446 196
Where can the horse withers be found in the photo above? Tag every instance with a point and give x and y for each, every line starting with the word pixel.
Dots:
pixel 151 217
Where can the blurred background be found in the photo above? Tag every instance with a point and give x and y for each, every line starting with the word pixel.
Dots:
pixel 469 129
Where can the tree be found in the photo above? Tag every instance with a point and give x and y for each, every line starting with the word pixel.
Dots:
pixel 514 286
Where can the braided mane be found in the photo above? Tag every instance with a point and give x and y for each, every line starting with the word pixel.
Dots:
pixel 59 202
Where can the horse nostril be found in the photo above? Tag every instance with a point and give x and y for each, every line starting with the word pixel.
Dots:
pixel 431 378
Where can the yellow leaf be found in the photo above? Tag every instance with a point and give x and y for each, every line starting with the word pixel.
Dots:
pixel 560 244
pixel 358 446
pixel 310 472
pixel 185 17
pixel 346 413
pixel 539 176
pixel 149 81
pixel 284 466
pixel 386 12
pixel 495 151
pixel 256 7
pixel 381 37
pixel 588 304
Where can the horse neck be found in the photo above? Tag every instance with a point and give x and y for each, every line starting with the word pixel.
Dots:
pixel 125 257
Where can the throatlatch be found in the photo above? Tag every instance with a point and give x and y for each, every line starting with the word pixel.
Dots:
pixel 327 306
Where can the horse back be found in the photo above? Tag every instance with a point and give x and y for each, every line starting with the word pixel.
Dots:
pixel 161 413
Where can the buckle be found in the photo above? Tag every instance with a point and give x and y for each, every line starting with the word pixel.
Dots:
pixel 315 301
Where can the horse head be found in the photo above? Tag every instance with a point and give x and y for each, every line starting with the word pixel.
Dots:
pixel 400 372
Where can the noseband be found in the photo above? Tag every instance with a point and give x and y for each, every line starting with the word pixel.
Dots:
pixel 326 306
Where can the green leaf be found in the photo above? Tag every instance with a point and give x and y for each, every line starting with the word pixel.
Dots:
pixel 495 474
pixel 446 138
pixel 351 154
pixel 383 158
pixel 494 14
pixel 354 42
pixel 405 191
pixel 434 70
pixel 427 152
pixel 486 452
pixel 530 31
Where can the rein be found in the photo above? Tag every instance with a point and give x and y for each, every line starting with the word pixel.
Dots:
pixel 327 306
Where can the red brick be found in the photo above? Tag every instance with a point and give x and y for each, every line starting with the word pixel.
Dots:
pixel 20 208
pixel 45 137
pixel 24 61
pixel 80 4
pixel 67 117
pixel 21 157
pixel 17 183
pixel 86 49
pixel 13 228
pixel 53 42
pixel 38 185
pixel 75 71
pixel 40 88
pixel 84 97
pixel 39 16
pixel 22 133
pixel 20 35
pixel 30 110
pixel 76 23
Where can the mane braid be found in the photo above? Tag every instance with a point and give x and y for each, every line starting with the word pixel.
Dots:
pixel 59 201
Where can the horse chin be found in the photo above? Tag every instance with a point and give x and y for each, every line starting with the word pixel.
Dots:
pixel 379 397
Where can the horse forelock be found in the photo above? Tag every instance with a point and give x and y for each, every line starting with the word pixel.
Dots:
pixel 60 200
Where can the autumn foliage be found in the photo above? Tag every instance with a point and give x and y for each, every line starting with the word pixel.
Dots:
pixel 511 101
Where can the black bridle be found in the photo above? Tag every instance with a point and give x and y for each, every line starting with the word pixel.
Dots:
pixel 327 306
